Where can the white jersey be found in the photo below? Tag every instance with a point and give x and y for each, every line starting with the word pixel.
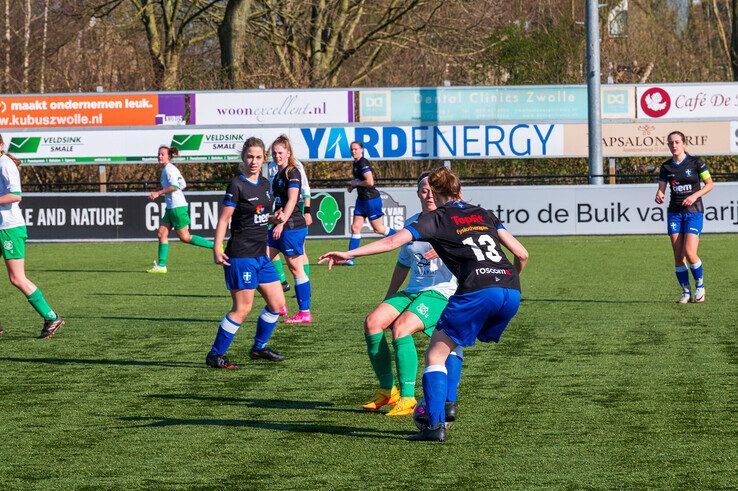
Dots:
pixel 171 176
pixel 272 168
pixel 10 214
pixel 425 274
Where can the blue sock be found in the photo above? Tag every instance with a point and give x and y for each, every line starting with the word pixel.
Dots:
pixel 224 338
pixel 302 292
pixel 354 241
pixel 265 327
pixel 697 273
pixel 434 390
pixel 682 277
pixel 389 231
pixel 453 367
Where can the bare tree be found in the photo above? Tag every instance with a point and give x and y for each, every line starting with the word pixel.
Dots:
pixel 6 71
pixel 42 71
pixel 26 45
pixel 734 38
pixel 232 34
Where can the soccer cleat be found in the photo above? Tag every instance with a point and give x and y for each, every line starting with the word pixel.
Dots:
pixel 382 398
pixel 450 413
pixel 284 311
pixel 685 298
pixel 266 354
pixel 437 434
pixel 157 269
pixel 404 407
pixel 285 286
pixel 300 318
pixel 699 294
pixel 50 327
pixel 220 361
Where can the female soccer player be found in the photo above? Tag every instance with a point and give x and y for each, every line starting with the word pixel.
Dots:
pixel 469 240
pixel 177 216
pixel 368 200
pixel 416 308
pixel 13 237
pixel 684 174
pixel 245 262
pixel 288 237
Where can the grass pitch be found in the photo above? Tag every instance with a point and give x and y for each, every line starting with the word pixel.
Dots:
pixel 601 380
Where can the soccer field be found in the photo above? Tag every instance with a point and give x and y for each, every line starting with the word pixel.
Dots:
pixel 600 381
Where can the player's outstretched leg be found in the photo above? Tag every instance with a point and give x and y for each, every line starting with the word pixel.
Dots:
pixel 160 265
pixel 453 368
pixel 264 329
pixel 406 359
pixel 699 283
pixel 226 332
pixel 683 278
pixel 381 360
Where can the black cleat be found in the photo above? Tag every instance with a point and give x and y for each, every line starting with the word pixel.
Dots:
pixel 437 434
pixel 285 286
pixel 266 354
pixel 450 413
pixel 220 361
pixel 51 327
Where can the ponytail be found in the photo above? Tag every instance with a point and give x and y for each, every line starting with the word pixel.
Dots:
pixel 171 151
pixel 445 183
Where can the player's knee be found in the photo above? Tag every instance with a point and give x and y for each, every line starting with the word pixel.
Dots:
pixel 239 314
pixel 693 258
pixel 355 229
pixel 373 324
pixel 404 327
pixel 18 280
pixel 162 235
pixel 184 236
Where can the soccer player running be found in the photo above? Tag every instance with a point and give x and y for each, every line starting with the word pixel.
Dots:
pixel 368 200
pixel 416 308
pixel 469 240
pixel 245 262
pixel 288 237
pixel 13 236
pixel 684 174
pixel 176 216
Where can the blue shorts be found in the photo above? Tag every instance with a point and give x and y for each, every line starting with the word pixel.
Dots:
pixel 483 315
pixel 290 243
pixel 247 273
pixel 369 208
pixel 684 223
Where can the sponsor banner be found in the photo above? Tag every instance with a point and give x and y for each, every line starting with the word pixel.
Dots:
pixel 683 102
pixel 648 139
pixel 394 217
pixel 92 110
pixel 131 216
pixel 434 142
pixel 323 143
pixel 499 104
pixel 261 107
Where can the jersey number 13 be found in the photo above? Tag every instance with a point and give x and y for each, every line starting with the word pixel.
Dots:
pixel 488 243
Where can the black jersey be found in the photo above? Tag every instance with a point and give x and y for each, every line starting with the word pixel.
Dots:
pixel 684 179
pixel 284 180
pixel 465 238
pixel 361 167
pixel 253 202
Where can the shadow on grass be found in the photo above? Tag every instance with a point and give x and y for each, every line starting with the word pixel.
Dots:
pixel 262 403
pixel 297 427
pixel 153 319
pixel 174 295
pixel 87 270
pixel 586 300
pixel 103 361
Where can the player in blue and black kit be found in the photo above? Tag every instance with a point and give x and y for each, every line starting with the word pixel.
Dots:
pixel 289 236
pixel 469 240
pixel 248 202
pixel 684 174
pixel 368 200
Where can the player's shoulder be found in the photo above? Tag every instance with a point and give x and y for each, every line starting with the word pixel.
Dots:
pixel 412 219
pixel 695 160
pixel 7 164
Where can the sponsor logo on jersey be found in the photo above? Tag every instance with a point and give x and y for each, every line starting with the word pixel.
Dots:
pixel 247 277
pixel 423 310
pixel 467 220
pixel 8 245
pixel 681 188
pixel 260 215
pixel 505 272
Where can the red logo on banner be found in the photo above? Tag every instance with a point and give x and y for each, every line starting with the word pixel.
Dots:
pixel 655 102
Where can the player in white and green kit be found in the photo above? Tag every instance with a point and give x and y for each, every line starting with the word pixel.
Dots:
pixel 414 309
pixel 177 214
pixel 13 237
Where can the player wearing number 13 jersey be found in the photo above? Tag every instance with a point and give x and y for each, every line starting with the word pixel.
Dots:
pixel 468 239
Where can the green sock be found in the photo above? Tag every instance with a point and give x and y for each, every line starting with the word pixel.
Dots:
pixel 280 269
pixel 38 302
pixel 163 253
pixel 307 269
pixel 201 242
pixel 381 358
pixel 406 358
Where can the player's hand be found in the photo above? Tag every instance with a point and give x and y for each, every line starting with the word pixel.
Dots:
pixel 279 217
pixel 689 201
pixel 334 257
pixel 277 231
pixel 220 257
pixel 431 254
pixel 659 197
pixel 308 219
pixel 153 196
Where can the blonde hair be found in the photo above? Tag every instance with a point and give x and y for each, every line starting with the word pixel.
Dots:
pixel 285 142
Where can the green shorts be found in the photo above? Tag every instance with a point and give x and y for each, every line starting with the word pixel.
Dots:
pixel 178 217
pixel 427 305
pixel 13 242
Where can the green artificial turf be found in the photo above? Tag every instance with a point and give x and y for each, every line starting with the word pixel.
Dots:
pixel 600 381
